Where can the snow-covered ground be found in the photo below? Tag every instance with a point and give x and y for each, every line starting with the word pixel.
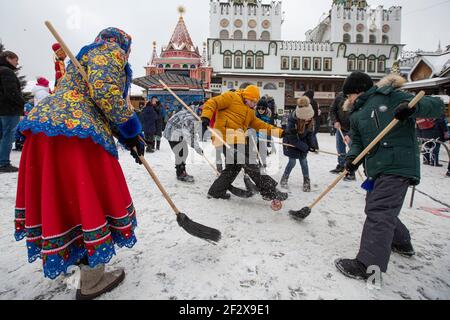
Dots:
pixel 263 254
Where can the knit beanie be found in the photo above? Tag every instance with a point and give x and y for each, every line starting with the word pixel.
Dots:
pixel 251 93
pixel 304 109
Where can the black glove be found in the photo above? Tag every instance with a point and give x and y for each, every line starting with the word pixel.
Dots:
pixel 137 143
pixel 313 150
pixel 350 167
pixel 205 125
pixel 404 112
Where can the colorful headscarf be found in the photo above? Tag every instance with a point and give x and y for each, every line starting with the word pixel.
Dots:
pixel 112 35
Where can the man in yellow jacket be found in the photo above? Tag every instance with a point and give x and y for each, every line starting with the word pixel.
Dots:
pixel 235 115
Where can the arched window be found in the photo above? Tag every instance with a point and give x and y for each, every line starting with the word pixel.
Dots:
pixel 185 66
pixel 238 60
pixel 265 35
pixel 371 64
pixel 227 60
pixel 168 66
pixel 270 86
pixel 224 34
pixel 306 63
pixel 251 35
pixel 259 60
pixel 385 39
pixel 245 85
pixel 347 38
pixel 238 35
pixel 351 63
pixel 362 63
pixel 249 60
pixel 382 64
pixel 284 63
pixel 372 38
pixel 161 66
pixel 359 38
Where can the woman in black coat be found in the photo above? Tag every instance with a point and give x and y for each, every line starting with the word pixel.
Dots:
pixel 148 118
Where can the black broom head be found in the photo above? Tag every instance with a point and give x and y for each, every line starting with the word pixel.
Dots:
pixel 301 214
pixel 197 230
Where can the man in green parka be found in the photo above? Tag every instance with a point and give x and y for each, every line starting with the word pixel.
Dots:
pixel 392 166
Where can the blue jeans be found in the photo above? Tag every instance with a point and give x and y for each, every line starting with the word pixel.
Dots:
pixel 303 165
pixel 7 128
pixel 341 149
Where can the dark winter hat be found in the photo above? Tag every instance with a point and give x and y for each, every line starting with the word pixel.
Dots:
pixel 310 94
pixel 357 82
pixel 262 104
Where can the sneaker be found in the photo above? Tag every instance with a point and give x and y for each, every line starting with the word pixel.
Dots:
pixel 307 185
pixel 405 250
pixel 284 182
pixel 184 177
pixel 338 170
pixel 352 268
pixel 225 196
pixel 350 177
pixel 8 169
pixel 150 150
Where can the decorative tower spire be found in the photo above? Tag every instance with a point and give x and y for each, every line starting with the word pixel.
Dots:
pixel 439 50
pixel 204 60
pixel 181 39
pixel 154 54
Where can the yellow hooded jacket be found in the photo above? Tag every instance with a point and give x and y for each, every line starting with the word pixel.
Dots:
pixel 234 118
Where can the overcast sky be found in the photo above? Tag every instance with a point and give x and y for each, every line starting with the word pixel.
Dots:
pixel 425 23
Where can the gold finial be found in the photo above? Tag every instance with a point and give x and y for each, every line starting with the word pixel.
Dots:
pixel 181 10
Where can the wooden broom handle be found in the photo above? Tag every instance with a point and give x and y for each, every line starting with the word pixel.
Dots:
pixel 158 183
pixel 213 132
pixel 394 122
pixel 69 53
pixel 348 147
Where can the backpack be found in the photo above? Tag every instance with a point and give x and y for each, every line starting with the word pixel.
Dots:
pixel 425 124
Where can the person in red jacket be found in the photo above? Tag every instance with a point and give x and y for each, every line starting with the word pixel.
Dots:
pixel 60 64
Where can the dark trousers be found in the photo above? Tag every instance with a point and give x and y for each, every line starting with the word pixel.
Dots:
pixel 236 160
pixel 181 151
pixel 383 227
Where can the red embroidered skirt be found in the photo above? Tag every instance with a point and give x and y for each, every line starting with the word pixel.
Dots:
pixel 72 202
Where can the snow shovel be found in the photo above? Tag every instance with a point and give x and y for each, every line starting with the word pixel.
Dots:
pixel 305 212
pixel 193 228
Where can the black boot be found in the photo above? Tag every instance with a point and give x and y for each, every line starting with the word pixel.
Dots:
pixel 182 174
pixel 352 268
pixel 307 185
pixel 284 182
pixel 350 177
pixel 448 174
pixel 8 169
pixel 338 170
pixel 219 168
pixel 405 250
pixel 158 145
pixel 224 196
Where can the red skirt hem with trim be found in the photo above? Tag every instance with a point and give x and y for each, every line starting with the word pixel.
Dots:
pixel 72 202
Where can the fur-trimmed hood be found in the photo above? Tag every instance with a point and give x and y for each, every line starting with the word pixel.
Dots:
pixel 392 80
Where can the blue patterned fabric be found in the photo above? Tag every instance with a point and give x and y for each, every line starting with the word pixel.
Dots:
pixel 74 111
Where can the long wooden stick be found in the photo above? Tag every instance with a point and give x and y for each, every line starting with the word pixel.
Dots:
pixel 69 53
pixel 363 154
pixel 348 147
pixel 213 132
